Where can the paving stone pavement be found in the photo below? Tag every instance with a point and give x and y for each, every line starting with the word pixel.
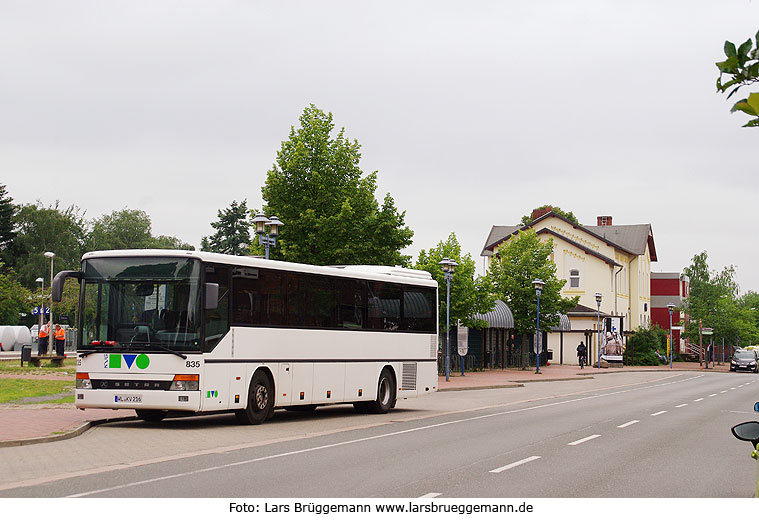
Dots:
pixel 28 424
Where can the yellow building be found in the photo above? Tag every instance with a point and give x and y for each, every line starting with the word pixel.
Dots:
pixel 613 260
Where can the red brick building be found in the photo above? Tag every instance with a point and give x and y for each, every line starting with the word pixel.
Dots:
pixel 669 288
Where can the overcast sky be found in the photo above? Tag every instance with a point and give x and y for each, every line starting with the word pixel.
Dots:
pixel 473 113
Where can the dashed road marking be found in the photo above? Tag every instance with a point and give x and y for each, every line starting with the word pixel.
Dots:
pixel 712 395
pixel 623 425
pixel 723 392
pixel 659 413
pixel 583 440
pixel 432 495
pixel 515 464
pixel 699 399
pixel 681 406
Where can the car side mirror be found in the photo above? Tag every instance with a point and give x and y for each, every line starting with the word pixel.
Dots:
pixel 756 406
pixel 212 296
pixel 748 431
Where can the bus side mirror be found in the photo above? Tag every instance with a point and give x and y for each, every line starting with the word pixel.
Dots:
pixel 58 281
pixel 748 431
pixel 212 296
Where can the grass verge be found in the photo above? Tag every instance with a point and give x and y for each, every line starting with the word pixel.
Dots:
pixel 17 390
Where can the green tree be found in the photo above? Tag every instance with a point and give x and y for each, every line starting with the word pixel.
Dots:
pixel 741 68
pixel 43 229
pixel 643 344
pixel 546 208
pixel 121 230
pixel 15 299
pixel 470 294
pixel 232 234
pixel 511 273
pixel 714 302
pixel 165 242
pixel 7 211
pixel 328 208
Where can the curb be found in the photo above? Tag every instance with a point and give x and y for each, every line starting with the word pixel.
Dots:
pixel 482 387
pixel 81 429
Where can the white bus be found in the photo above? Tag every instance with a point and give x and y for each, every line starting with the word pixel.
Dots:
pixel 165 330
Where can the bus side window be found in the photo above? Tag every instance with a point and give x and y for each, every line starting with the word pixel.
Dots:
pixel 217 319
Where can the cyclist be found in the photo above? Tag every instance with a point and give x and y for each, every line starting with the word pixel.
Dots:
pixel 582 354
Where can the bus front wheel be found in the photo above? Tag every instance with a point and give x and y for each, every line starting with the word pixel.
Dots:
pixel 260 400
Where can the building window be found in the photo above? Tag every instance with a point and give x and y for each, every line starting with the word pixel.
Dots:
pixel 574 278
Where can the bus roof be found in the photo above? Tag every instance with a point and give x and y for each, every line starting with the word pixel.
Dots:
pixel 378 273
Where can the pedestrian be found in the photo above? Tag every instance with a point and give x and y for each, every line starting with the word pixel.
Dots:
pixel 582 354
pixel 60 340
pixel 42 339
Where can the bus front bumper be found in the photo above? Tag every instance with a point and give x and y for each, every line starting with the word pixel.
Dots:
pixel 138 399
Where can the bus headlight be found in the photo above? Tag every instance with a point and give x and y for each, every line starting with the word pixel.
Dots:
pixel 185 382
pixel 83 380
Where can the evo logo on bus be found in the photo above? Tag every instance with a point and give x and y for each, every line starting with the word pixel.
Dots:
pixel 114 361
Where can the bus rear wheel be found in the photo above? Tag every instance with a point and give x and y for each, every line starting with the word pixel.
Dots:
pixel 385 396
pixel 152 416
pixel 260 400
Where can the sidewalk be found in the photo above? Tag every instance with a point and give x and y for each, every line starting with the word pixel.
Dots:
pixel 29 424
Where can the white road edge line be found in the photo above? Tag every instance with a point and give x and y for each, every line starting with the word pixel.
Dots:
pixel 431 495
pixel 583 440
pixel 515 464
pixel 659 413
pixel 623 425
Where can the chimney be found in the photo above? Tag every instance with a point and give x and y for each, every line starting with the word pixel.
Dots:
pixel 539 212
pixel 604 220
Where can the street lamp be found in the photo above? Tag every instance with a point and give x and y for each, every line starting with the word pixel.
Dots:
pixel 50 337
pixel 42 301
pixel 538 284
pixel 449 266
pixel 267 239
pixel 599 296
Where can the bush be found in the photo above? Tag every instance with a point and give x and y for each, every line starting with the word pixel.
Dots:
pixel 643 345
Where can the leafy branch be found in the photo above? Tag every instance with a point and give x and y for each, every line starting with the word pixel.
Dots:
pixel 741 69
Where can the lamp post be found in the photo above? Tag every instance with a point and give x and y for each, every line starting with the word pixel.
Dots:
pixel 599 296
pixel 267 239
pixel 449 266
pixel 671 308
pixel 538 284
pixel 50 335
pixel 42 302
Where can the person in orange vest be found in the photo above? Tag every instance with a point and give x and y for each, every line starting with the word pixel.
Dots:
pixel 42 339
pixel 60 339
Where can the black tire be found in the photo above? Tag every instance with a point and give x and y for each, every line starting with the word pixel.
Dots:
pixel 385 394
pixel 260 400
pixel 152 416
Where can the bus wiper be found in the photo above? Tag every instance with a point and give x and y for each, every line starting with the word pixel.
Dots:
pixel 133 344
pixel 85 353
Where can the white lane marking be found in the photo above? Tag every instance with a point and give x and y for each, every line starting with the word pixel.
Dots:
pixel 343 443
pixel 623 425
pixel 659 413
pixel 723 392
pixel 699 399
pixel 732 388
pixel 740 386
pixel 681 406
pixel 583 440
pixel 515 464
pixel 431 495
pixel 712 395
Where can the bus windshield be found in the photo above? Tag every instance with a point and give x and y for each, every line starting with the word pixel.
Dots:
pixel 145 302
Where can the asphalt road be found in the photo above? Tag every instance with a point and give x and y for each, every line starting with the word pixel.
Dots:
pixel 653 434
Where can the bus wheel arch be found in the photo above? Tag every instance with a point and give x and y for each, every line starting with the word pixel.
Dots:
pixel 386 394
pixel 260 402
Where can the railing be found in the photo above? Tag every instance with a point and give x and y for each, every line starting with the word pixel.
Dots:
pixel 693 351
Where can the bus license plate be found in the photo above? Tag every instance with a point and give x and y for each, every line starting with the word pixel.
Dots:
pixel 128 399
